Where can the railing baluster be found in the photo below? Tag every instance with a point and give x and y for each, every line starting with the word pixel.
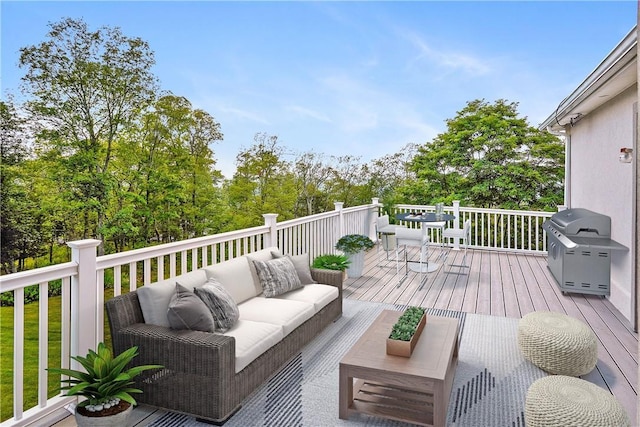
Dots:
pixel 18 352
pixel 43 341
pixel 117 280
pixel 133 276
pixel 172 264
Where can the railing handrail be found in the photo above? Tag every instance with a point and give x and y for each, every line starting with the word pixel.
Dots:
pixel 13 281
pixel 134 255
pixel 482 210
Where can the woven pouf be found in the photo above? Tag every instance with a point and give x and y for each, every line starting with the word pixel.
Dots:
pixel 562 401
pixel 557 343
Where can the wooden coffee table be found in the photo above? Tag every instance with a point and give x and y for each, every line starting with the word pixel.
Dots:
pixel 414 389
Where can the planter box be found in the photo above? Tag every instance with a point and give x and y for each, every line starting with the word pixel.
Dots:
pixel 405 348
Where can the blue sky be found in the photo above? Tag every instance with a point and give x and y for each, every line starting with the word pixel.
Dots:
pixel 357 78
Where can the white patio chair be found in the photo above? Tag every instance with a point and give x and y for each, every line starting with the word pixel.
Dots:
pixel 386 235
pixel 463 233
pixel 405 238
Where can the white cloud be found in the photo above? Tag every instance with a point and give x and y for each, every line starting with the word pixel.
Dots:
pixel 447 59
pixel 307 112
pixel 241 114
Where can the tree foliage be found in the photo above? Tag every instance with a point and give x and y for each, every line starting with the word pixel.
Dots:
pixel 97 150
pixel 490 157
pixel 20 234
pixel 86 87
pixel 263 183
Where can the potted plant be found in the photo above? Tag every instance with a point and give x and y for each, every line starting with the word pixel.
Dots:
pixel 106 385
pixel 331 262
pixel 354 246
pixel 406 331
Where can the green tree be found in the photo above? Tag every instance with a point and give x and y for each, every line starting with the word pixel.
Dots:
pixel 86 87
pixel 165 180
pixel 262 183
pixel 347 181
pixel 311 175
pixel 20 222
pixel 388 173
pixel 490 157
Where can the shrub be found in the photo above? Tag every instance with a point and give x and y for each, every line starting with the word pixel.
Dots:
pixel 331 262
pixel 354 243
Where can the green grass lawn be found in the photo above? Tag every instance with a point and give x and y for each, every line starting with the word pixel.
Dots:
pixel 30 362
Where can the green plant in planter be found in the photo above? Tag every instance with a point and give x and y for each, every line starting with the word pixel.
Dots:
pixel 407 324
pixel 354 243
pixel 106 382
pixel 331 262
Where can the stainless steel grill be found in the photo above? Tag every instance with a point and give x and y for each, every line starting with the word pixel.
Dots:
pixel 579 244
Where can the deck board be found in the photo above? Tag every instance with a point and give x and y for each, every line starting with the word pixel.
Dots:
pixel 502 284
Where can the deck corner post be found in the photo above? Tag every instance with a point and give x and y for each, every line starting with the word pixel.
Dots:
pixel 271 238
pixel 339 206
pixel 84 298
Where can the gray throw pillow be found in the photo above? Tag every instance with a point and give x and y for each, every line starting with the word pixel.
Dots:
pixel 302 266
pixel 220 303
pixel 277 276
pixel 187 311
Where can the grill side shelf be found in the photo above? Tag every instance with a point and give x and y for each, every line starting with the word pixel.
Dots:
pixel 595 243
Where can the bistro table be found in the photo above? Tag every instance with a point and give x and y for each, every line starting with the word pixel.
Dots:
pixel 424 218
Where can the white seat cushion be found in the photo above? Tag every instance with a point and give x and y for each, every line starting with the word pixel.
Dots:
pixel 155 297
pixel 318 295
pixel 253 339
pixel 287 314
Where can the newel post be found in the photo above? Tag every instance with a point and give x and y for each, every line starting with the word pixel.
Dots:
pixel 271 238
pixel 456 223
pixel 85 311
pixel 373 214
pixel 340 230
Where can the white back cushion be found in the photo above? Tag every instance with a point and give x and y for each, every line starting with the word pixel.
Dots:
pixel 236 278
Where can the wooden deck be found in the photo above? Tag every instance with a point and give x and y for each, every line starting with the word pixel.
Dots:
pixel 497 284
pixel 510 285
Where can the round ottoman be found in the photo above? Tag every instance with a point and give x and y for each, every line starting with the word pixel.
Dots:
pixel 563 401
pixel 557 343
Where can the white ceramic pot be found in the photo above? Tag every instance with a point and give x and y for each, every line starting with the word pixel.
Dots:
pixel 356 266
pixel 117 420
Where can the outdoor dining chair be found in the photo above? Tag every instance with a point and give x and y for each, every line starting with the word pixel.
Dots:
pixel 408 237
pixel 386 235
pixel 463 233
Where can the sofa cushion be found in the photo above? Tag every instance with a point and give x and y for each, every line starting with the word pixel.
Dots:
pixel 220 303
pixel 261 255
pixel 235 276
pixel 302 265
pixel 154 298
pixel 288 314
pixel 277 276
pixel 317 294
pixel 253 339
pixel 187 311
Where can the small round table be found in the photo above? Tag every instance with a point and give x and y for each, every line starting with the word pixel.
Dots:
pixel 424 218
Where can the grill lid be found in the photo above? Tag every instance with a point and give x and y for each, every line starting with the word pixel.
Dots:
pixel 581 221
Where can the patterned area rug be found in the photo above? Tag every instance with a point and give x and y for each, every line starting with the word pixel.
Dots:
pixel 489 387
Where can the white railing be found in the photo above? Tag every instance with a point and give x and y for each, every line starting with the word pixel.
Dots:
pixel 494 229
pixel 83 286
pixel 83 279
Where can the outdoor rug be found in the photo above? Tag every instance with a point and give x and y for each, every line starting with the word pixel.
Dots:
pixel 489 387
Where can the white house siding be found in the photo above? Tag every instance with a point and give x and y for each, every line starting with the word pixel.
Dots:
pixel 601 183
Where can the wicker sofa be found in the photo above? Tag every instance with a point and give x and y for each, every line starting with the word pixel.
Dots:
pixel 202 374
